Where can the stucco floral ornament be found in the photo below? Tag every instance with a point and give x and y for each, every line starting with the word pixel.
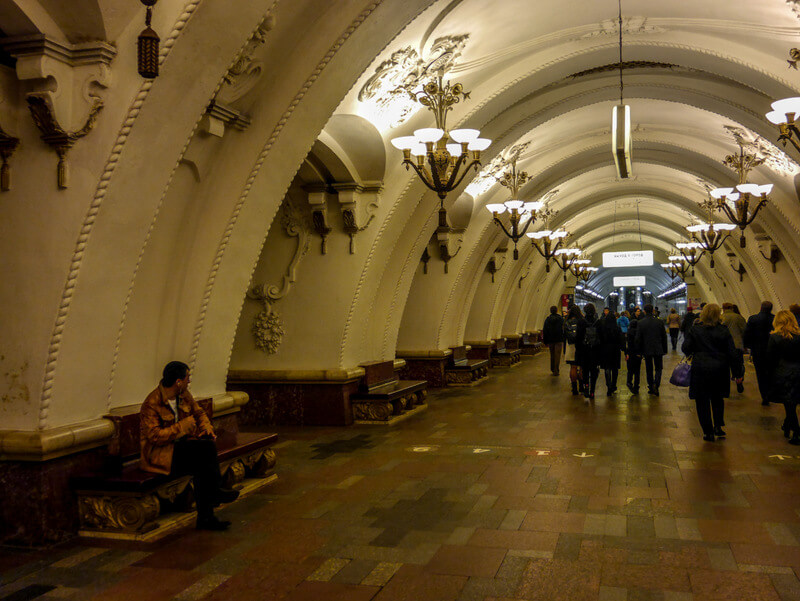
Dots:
pixel 267 328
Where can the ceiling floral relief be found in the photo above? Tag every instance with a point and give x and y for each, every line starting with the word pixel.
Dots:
pixel 386 96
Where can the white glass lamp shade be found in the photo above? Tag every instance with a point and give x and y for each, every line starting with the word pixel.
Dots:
pixel 667 265
pixel 723 227
pixel 748 188
pixel 404 142
pixel 479 144
pixel 568 251
pixel 419 150
pixel 558 234
pixel 428 134
pixel 514 204
pixel 582 261
pixel 539 235
pixel 533 206
pixel 786 105
pixel 765 189
pixel 720 192
pixel 701 227
pixel 776 117
pixel 592 269
pixel 496 208
pixel 462 136
pixel 688 245
pixel 454 150
pixel 676 258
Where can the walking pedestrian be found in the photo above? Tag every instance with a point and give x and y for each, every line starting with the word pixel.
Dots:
pixel 623 321
pixel 651 338
pixel 736 325
pixel 714 357
pixel 589 348
pixel 553 338
pixel 574 317
pixel 612 344
pixel 633 355
pixel 783 359
pixel 755 337
pixel 674 325
pixel 688 320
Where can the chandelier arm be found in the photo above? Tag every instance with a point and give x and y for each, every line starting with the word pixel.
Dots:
pixel 539 250
pixel 753 214
pixel 474 163
pixel 451 183
pixel 793 131
pixel 728 212
pixel 502 227
pixel 437 181
pixel 423 175
pixel 527 225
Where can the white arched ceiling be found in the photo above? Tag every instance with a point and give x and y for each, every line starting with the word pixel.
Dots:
pixel 182 217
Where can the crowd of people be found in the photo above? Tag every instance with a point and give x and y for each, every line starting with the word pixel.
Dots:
pixel 715 340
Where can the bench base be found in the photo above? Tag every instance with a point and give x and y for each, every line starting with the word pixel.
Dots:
pixel 170 523
pixel 394 419
pixel 508 359
pixel 470 374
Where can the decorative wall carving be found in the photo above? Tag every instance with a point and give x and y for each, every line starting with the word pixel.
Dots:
pixel 267 326
pixel 358 204
pixel 487 177
pixel 774 158
pixel 67 82
pixel 246 70
pixel 794 5
pixel 386 92
pixel 8 144
pixel 630 26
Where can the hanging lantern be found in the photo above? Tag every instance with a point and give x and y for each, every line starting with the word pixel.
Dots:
pixel 148 45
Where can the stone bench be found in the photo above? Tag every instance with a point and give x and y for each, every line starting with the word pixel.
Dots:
pixel 462 371
pixel 505 357
pixel 531 343
pixel 125 502
pixel 384 398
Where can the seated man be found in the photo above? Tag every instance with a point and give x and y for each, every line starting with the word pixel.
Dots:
pixel 177 439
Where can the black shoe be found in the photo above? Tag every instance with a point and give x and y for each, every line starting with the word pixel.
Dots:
pixel 575 389
pixel 795 440
pixel 610 393
pixel 212 523
pixel 719 432
pixel 226 495
pixel 739 387
pixel 765 403
pixel 708 437
pixel 787 432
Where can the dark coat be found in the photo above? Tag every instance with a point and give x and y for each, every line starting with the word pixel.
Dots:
pixel 587 356
pixel 651 336
pixel 714 358
pixel 688 320
pixel 631 348
pixel 553 329
pixel 783 360
pixel 613 342
pixel 757 331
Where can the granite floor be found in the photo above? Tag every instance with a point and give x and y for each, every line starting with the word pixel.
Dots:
pixel 513 490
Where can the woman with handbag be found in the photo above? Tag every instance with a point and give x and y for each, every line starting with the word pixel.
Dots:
pixel 783 359
pixel 574 317
pixel 714 358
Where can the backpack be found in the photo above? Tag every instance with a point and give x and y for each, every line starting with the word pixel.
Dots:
pixel 592 338
pixel 571 330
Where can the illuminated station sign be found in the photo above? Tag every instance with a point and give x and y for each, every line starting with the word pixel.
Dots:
pixel 628 281
pixel 634 258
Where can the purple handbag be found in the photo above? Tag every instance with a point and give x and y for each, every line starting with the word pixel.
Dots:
pixel 682 373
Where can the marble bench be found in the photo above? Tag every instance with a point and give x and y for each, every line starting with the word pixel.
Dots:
pixel 505 357
pixel 462 371
pixel 383 398
pixel 125 502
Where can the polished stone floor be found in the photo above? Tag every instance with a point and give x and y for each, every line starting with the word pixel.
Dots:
pixel 513 490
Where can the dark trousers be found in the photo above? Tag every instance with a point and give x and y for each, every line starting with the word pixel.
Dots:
pixel 706 407
pixel 740 354
pixel 634 371
pixel 673 337
pixel 791 423
pixel 611 379
pixel 653 366
pixel 555 356
pixel 590 373
pixel 762 375
pixel 198 458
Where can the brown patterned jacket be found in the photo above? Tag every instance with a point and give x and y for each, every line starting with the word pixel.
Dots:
pixel 159 430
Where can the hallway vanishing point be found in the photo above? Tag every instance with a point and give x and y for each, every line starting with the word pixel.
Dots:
pixel 511 490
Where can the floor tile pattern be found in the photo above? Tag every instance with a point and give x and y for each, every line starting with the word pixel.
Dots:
pixel 514 490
